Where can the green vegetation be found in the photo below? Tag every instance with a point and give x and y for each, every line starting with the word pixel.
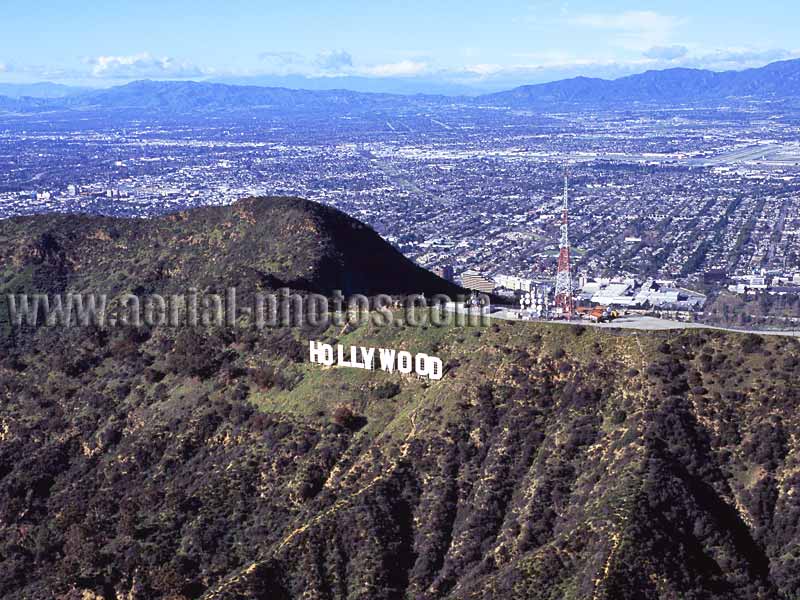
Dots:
pixel 257 244
pixel 761 310
pixel 551 461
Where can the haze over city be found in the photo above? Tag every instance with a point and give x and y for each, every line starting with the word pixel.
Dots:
pixel 442 46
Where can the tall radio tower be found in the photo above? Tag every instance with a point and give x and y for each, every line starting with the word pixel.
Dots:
pixel 563 293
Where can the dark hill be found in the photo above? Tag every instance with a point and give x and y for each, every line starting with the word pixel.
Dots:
pixel 256 243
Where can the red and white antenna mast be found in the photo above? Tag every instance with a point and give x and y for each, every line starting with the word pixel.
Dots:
pixel 563 292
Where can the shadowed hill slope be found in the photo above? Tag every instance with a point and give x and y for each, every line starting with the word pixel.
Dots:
pixel 256 243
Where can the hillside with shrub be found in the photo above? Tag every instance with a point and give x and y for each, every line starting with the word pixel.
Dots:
pixel 253 244
pixel 550 462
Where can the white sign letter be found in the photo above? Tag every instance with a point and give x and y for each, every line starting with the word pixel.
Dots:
pixel 387 359
pixel 404 362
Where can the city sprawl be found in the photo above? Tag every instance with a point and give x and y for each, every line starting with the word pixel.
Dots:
pixel 695 196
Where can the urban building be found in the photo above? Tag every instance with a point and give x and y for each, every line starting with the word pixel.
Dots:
pixel 472 280
pixel 514 283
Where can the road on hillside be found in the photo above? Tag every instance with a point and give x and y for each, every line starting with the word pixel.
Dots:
pixel 645 323
pixel 638 322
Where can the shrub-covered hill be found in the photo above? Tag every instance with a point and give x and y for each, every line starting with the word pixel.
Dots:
pixel 550 462
pixel 256 243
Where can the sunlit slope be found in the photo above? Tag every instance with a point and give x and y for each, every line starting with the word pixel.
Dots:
pixel 549 462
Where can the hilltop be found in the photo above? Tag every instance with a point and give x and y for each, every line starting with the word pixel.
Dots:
pixel 549 462
pixel 254 244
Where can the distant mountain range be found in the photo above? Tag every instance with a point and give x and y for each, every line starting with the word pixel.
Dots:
pixel 777 81
pixel 43 89
pixel 192 96
pixel 183 97
pixel 407 86
pixel 780 80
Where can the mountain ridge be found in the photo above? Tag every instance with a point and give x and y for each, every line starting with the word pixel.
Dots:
pixel 42 89
pixel 255 243
pixel 779 81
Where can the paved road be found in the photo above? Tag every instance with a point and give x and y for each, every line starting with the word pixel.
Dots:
pixel 639 322
pixel 750 153
pixel 777 233
pixel 645 323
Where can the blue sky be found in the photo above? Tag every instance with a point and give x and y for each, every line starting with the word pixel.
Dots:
pixel 497 43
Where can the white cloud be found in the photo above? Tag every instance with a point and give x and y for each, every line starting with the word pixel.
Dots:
pixel 739 58
pixel 325 63
pixel 337 63
pixel 548 66
pixel 532 68
pixel 637 30
pixel 404 68
pixel 282 63
pixel 485 69
pixel 506 77
pixel 666 52
pixel 517 69
pixel 334 60
pixel 3 67
pixel 143 65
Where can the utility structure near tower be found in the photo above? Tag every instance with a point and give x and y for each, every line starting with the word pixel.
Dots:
pixel 563 301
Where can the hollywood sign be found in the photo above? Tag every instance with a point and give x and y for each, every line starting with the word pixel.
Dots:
pixel 361 357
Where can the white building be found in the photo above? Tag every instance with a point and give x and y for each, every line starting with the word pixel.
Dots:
pixel 472 280
pixel 652 293
pixel 512 282
pixel 749 283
